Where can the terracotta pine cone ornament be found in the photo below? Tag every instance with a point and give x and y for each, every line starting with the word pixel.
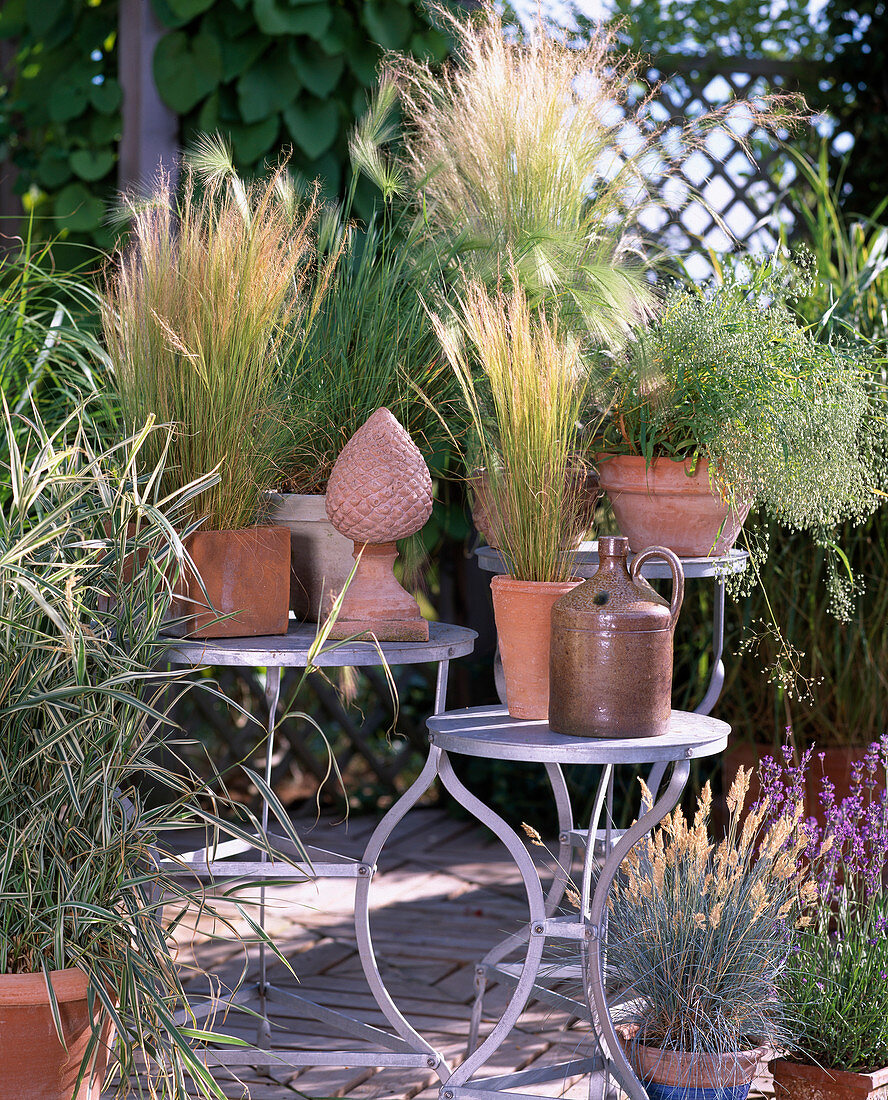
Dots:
pixel 380 490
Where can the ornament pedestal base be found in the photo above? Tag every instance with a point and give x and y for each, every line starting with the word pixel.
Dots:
pixel 374 602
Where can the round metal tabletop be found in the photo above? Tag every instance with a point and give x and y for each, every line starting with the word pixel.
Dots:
pixel 490 732
pixel 585 560
pixel 291 650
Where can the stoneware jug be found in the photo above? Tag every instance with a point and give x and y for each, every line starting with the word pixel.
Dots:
pixel 610 672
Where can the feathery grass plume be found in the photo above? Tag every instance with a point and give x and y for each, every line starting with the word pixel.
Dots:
pixel 699 933
pixel 549 153
pixel 524 406
pixel 210 296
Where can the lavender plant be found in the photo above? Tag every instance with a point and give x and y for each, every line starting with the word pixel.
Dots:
pixel 697 935
pixel 837 984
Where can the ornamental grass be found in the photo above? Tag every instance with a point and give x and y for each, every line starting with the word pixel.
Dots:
pixel 524 399
pixel 199 312
pixel 553 158
pixel 699 933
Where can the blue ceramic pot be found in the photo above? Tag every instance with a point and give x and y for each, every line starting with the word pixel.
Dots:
pixel 656 1091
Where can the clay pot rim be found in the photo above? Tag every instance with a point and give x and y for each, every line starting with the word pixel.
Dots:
pixel 740 1063
pixel 500 580
pixel 664 474
pixel 70 984
pixel 238 530
pixel 297 508
pixel 872 1079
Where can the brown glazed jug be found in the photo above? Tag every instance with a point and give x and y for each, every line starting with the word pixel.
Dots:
pixel 610 663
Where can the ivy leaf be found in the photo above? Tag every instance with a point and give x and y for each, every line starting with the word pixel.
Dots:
pixel 92 164
pixel 187 9
pixel 389 24
pixel 76 208
pixel 341 34
pixel 166 15
pixel 267 87
pixel 185 73
pixel 318 72
pixel 53 169
pixel 239 54
pixel 107 96
pixel 431 45
pixel 310 19
pixel 105 129
pixel 67 101
pixel 251 142
pixel 313 124
pixel 363 59
pixel 12 18
pixel 42 14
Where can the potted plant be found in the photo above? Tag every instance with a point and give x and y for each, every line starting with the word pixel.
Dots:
pixel 523 400
pixel 725 402
pixel 200 310
pixel 367 343
pixel 835 987
pixel 697 940
pixel 89 984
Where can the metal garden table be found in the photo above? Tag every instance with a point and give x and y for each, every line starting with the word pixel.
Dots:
pixel 294 650
pixel 490 732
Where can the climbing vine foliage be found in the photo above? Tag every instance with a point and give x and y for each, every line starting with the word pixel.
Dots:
pixel 266 73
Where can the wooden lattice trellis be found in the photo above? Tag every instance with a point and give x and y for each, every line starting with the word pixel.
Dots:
pixel 747 194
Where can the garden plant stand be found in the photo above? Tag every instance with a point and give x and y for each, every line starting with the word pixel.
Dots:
pixel 231 859
pixel 480 732
pixel 491 733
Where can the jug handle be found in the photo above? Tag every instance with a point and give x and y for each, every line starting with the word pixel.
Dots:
pixel 678 577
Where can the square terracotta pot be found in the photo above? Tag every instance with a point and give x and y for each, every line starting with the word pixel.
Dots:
pixel 794 1081
pixel 246 574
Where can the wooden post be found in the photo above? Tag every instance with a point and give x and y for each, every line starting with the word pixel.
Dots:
pixel 150 129
pixel 10 202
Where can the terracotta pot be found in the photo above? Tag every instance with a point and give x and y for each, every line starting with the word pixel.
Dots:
pixel 663 506
pixel 670 1075
pixel 33 1063
pixel 584 480
pixel 837 764
pixel 523 613
pixel 244 572
pixel 793 1081
pixel 320 557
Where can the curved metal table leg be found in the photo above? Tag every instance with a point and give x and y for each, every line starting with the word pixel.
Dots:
pixel 362 913
pixel 537 914
pixel 272 699
pixel 565 848
pixel 553 898
pixel 647 822
pixel 717 679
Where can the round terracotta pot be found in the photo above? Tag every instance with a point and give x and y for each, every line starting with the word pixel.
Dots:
pixel 33 1063
pixel 523 613
pixel 661 505
pixel 321 558
pixel 670 1075
pixel 793 1081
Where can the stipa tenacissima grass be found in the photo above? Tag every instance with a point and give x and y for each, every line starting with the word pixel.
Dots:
pixel 700 932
